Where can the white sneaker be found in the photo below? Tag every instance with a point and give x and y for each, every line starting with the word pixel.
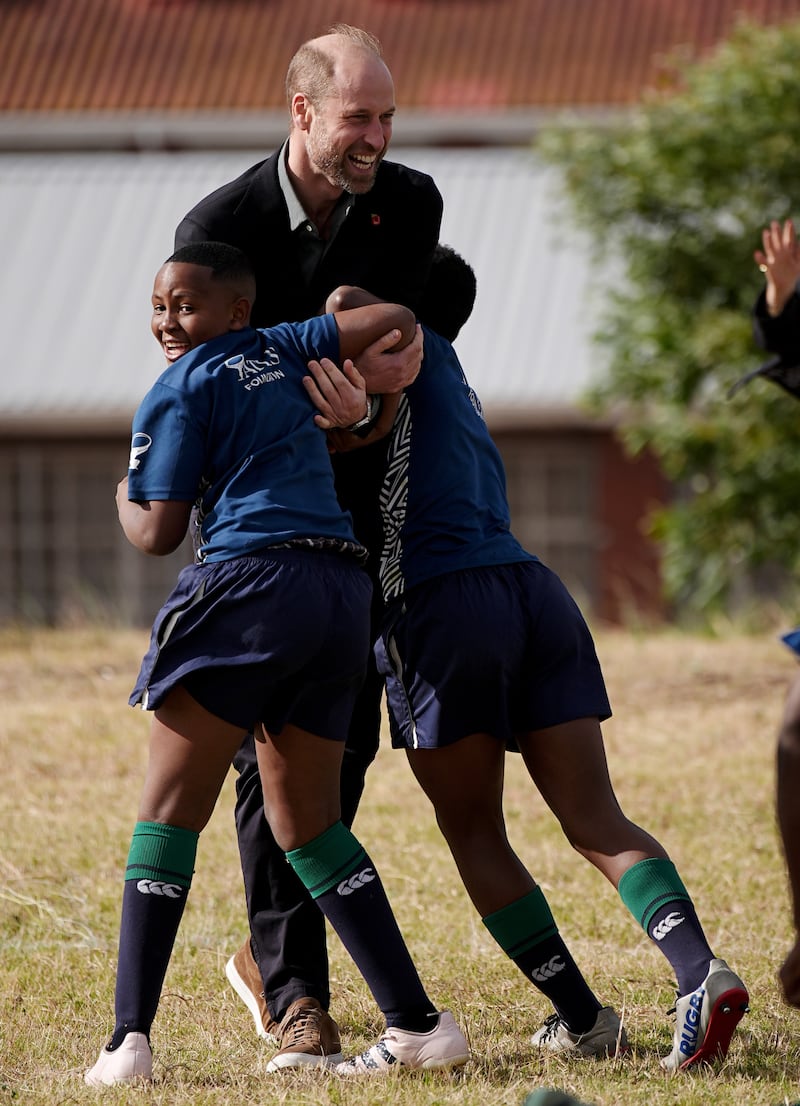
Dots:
pixel 706 1018
pixel 444 1046
pixel 607 1036
pixel 130 1062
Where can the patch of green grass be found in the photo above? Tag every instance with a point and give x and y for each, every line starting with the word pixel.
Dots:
pixel 691 750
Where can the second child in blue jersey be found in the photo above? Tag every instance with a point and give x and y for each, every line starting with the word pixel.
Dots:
pixel 268 632
pixel 484 650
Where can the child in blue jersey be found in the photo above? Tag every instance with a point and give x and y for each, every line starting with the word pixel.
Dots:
pixel 268 632
pixel 484 650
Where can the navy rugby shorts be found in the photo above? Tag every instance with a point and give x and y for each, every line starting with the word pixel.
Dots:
pixel 279 637
pixel 501 650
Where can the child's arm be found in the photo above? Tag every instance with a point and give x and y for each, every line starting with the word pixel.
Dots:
pixel 382 338
pixel 348 296
pixel 155 526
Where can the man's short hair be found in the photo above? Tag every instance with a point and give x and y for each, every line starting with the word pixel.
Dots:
pixel 359 36
pixel 227 263
pixel 449 294
pixel 312 68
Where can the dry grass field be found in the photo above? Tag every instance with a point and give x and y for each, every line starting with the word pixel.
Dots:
pixel 691 750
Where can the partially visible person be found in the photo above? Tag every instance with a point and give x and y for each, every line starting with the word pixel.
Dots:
pixel 483 650
pixel 776 313
pixel 268 632
pixel 788 810
pixel 777 310
pixel 326 208
pixel 776 318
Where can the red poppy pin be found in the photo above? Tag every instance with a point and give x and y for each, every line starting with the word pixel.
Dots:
pixel 376 220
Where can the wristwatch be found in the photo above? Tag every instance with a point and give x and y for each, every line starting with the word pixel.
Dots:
pixel 363 426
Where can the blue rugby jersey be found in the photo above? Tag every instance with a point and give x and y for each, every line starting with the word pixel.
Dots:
pixel 443 500
pixel 231 427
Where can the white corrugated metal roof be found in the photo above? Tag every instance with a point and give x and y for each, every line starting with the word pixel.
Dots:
pixel 83 234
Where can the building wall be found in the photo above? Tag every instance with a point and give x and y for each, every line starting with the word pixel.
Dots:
pixel 63 555
pixel 575 501
pixel 581 504
pixel 629 566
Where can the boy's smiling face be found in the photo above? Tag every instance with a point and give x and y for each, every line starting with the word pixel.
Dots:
pixel 191 307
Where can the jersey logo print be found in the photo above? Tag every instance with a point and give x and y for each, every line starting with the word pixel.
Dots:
pixel 251 373
pixel 140 443
pixel 476 403
pixel 394 503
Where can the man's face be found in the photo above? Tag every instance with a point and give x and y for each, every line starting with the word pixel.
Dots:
pixel 190 308
pixel 350 131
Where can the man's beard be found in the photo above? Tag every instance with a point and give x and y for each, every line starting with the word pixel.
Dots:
pixel 334 168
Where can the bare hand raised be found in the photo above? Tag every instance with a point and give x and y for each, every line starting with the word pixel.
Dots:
pixel 780 262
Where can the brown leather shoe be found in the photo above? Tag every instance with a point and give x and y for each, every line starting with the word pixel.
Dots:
pixel 309 1037
pixel 245 978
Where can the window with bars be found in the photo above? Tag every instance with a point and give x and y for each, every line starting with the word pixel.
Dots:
pixel 62 552
pixel 551 480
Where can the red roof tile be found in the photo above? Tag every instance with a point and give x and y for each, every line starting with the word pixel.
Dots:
pixel 208 55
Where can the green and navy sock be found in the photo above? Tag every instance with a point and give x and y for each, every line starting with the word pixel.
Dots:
pixel 346 887
pixel 527 933
pixel 157 880
pixel 654 893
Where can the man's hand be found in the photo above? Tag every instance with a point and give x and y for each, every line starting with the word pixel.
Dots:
pixel 343 441
pixel 340 395
pixel 391 372
pixel 780 263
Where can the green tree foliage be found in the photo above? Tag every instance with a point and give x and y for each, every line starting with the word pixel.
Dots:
pixel 678 192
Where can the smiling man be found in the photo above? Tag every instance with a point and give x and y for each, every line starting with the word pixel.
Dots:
pixel 341 100
pixel 325 209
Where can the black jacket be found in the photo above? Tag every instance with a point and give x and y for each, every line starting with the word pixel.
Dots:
pixel 385 245
pixel 779 334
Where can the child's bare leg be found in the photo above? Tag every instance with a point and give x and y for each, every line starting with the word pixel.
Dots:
pixel 300 780
pixel 190 753
pixel 464 782
pixel 568 765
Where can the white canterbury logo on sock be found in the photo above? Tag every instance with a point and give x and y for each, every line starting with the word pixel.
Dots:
pixel 158 887
pixel 548 970
pixel 666 925
pixel 348 886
